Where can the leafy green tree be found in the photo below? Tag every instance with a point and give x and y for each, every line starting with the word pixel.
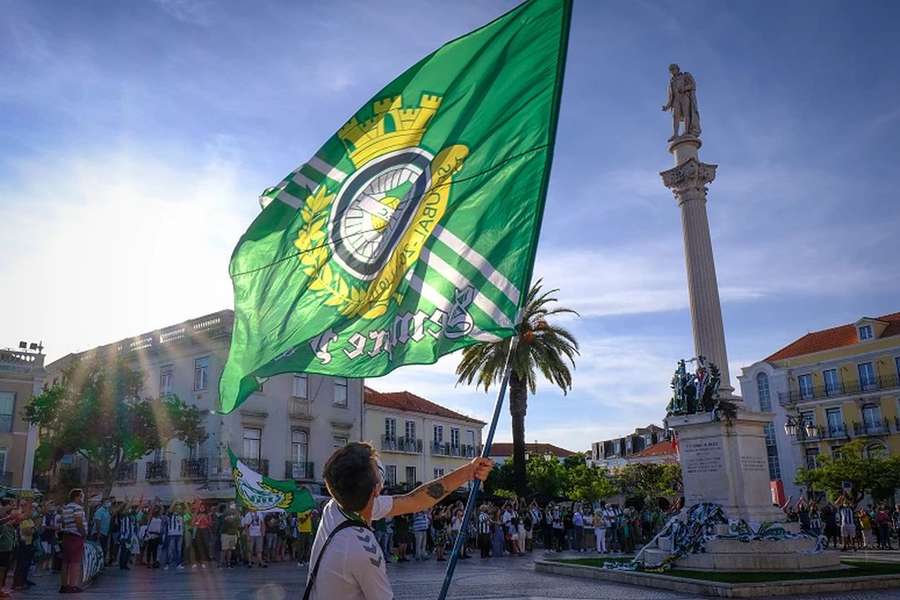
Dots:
pixel 590 484
pixel 650 481
pixel 878 475
pixel 97 412
pixel 545 349
pixel 546 476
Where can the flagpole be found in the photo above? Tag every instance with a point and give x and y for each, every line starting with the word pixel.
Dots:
pixel 460 541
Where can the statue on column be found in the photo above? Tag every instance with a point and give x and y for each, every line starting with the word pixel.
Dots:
pixel 682 101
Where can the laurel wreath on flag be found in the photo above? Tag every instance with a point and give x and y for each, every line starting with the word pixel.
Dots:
pixel 314 256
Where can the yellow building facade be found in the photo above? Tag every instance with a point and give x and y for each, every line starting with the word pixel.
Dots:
pixel 841 383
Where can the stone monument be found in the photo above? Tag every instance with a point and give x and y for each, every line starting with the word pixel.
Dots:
pixel 729 521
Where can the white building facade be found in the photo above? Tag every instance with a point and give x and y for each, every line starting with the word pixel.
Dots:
pixel 286 430
pixel 417 439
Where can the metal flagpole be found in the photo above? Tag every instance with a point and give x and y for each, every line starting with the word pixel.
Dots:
pixel 476 484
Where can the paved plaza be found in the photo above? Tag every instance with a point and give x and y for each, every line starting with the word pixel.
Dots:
pixel 475 580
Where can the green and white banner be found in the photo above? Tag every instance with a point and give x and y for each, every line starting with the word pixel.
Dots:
pixel 411 232
pixel 259 493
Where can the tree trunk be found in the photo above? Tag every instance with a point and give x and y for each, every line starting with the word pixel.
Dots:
pixel 518 406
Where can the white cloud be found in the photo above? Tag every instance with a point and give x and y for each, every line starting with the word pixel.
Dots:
pixel 112 243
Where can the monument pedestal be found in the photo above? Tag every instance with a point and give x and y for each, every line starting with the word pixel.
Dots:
pixel 726 463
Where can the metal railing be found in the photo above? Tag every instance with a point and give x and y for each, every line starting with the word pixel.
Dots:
pixel 446 449
pixel 260 465
pixel 880 382
pixel 156 471
pixel 877 428
pixel 827 432
pixel 299 470
pixel 401 444
pixel 194 468
pixel 127 472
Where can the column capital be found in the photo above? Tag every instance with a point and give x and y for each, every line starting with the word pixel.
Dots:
pixel 688 180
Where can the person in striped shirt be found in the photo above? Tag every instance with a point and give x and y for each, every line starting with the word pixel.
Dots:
pixel 73 532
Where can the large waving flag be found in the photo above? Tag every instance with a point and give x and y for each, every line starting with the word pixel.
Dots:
pixel 261 494
pixel 411 232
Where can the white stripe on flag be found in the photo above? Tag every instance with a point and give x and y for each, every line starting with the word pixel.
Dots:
pixel 302 180
pixel 479 262
pixel 327 170
pixel 435 297
pixel 289 199
pixel 460 282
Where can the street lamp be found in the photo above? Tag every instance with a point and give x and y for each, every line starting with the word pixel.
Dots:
pixel 790 427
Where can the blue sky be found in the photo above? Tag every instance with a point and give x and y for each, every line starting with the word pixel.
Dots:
pixel 135 138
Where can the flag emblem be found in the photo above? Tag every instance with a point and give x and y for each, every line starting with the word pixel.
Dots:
pixel 376 224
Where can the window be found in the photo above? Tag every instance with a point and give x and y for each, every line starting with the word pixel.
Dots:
pixel 762 390
pixel 340 391
pixel 3 453
pixel 865 333
pixel 299 386
pixel 410 430
pixel 7 408
pixel 454 437
pixel 772 452
pixel 836 451
pixel 808 417
pixel 166 377
pixel 470 437
pixel 876 450
pixel 390 428
pixel 866 376
pixel 806 388
pixel 411 475
pixel 835 421
pixel 831 381
pixel 390 475
pixel 299 445
pixel 438 473
pixel 339 441
pixel 438 434
pixel 812 458
pixel 252 443
pixel 201 373
pixel 897 364
pixel 871 414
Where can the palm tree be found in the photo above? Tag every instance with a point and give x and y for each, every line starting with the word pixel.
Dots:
pixel 542 347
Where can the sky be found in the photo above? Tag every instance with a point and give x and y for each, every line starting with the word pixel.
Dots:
pixel 135 139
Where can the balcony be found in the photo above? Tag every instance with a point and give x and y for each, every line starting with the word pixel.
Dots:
pixel 260 465
pixel 882 427
pixel 157 471
pixel 298 408
pixel 6 478
pixel 880 383
pixel 402 444
pixel 299 471
pixel 444 449
pixel 194 468
pixel 829 432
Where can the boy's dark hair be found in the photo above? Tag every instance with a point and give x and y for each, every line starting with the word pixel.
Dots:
pixel 350 475
pixel 73 495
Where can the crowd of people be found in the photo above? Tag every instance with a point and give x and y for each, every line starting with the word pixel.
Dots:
pixel 844 524
pixel 516 527
pixel 198 535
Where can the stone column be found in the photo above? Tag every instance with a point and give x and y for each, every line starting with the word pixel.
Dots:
pixel 688 180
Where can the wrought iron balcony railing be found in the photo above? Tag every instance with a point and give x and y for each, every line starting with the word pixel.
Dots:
pixel 260 465
pixel 157 471
pixel 872 428
pixel 194 468
pixel 127 472
pixel 401 444
pixel 879 383
pixel 445 449
pixel 299 470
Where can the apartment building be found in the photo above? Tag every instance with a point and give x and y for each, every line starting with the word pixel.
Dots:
pixel 836 385
pixel 287 429
pixel 616 452
pixel 22 376
pixel 418 440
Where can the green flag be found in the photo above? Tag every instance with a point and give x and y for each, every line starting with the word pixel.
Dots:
pixel 259 493
pixel 411 232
